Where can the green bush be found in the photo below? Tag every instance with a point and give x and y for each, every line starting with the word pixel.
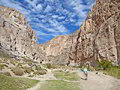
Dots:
pixel 103 64
pixel 114 71
pixel 18 71
pixel 107 67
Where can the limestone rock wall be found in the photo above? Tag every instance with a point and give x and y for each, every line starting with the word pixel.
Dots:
pixel 16 36
pixel 106 17
pixel 98 38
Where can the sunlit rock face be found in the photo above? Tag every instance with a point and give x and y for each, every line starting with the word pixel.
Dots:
pixel 99 37
pixel 106 25
pixel 16 36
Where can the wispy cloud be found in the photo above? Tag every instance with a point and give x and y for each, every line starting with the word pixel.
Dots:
pixel 52 17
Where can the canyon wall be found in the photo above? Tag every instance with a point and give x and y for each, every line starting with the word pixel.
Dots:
pixel 99 37
pixel 17 37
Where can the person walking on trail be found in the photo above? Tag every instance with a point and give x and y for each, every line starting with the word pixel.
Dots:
pixel 85 73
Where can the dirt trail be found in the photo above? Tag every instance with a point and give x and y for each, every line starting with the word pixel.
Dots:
pixel 43 78
pixel 99 82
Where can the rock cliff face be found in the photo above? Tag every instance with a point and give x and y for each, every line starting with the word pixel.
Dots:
pixel 98 38
pixel 58 49
pixel 106 25
pixel 16 36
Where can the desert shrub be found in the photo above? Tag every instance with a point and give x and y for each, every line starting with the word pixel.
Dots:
pixel 28 69
pixel 38 67
pixel 19 64
pixel 2 66
pixel 31 75
pixel 29 63
pixel 50 66
pixel 40 72
pixel 18 71
pixel 13 62
pixel 28 60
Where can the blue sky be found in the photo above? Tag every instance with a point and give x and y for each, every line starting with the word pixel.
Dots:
pixel 51 18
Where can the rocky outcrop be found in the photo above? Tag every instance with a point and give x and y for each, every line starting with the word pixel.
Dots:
pixel 17 37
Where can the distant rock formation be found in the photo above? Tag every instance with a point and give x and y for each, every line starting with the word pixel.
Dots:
pixel 16 36
pixel 58 49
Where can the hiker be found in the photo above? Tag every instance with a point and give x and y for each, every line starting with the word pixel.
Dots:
pixel 85 73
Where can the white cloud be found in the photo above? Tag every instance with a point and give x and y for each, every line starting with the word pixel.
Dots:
pixel 48 9
pixel 32 2
pixel 55 16
pixel 61 17
pixel 39 7
pixel 40 33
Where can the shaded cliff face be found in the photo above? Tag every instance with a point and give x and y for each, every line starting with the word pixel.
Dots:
pixel 16 36
pixel 84 48
pixel 98 38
